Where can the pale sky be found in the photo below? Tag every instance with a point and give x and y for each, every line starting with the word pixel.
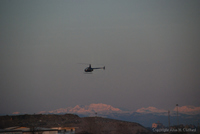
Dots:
pixel 150 50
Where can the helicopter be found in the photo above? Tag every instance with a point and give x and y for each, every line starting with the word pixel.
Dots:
pixel 90 69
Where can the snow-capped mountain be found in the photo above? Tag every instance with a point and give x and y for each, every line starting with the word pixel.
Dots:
pixel 91 109
pixel 144 116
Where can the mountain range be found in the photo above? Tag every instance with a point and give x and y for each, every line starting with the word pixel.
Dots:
pixel 144 116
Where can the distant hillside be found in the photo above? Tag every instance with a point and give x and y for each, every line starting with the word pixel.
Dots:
pixel 92 125
pixel 38 120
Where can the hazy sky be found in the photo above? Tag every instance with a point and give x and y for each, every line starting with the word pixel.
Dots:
pixel 150 50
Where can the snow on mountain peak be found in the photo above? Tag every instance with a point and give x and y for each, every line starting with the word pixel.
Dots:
pixel 189 110
pixel 102 107
pixel 87 109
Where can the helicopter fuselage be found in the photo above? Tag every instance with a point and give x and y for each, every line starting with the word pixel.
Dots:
pixel 90 69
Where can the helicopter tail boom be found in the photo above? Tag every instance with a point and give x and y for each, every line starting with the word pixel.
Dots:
pixel 99 68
